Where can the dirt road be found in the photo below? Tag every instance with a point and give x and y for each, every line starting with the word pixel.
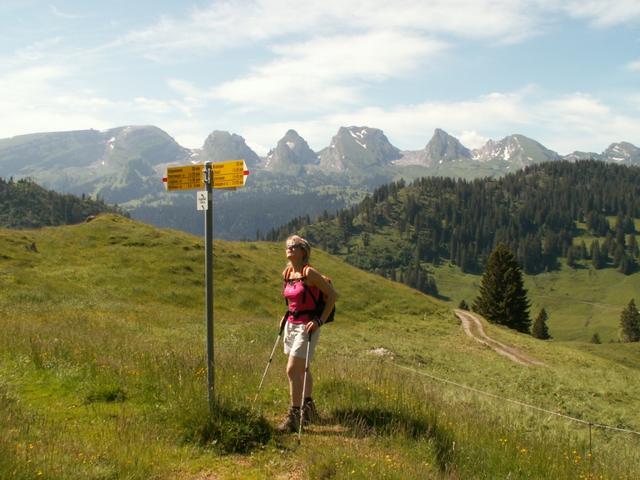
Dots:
pixel 473 327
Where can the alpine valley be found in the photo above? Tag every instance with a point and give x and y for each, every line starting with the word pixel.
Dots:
pixel 125 165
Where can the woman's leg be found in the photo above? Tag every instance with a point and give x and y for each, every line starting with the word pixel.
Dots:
pixel 295 373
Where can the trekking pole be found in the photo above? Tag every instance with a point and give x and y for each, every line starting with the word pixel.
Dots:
pixel 304 387
pixel 266 369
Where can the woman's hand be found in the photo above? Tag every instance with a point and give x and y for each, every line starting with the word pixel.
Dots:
pixel 310 327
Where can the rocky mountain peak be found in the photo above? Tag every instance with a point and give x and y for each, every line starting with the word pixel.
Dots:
pixel 354 148
pixel 444 148
pixel 517 150
pixel 622 152
pixel 578 155
pixel 292 154
pixel 221 145
pixel 155 146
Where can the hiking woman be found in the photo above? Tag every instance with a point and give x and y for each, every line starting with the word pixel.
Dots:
pixel 304 287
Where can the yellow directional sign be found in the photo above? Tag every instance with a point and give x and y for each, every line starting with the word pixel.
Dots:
pixel 230 174
pixel 226 175
pixel 188 177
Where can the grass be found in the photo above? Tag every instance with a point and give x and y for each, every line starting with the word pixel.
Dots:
pixel 580 302
pixel 102 373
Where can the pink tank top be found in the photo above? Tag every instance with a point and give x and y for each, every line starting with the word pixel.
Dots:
pixel 299 301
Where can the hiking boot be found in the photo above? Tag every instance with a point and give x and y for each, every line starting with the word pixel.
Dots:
pixel 309 412
pixel 291 422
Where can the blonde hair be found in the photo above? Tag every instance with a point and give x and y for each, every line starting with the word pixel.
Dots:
pixel 306 247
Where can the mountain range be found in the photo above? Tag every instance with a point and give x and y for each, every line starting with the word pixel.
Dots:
pixel 124 165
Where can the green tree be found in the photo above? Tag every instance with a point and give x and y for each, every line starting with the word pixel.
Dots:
pixel 633 246
pixel 571 257
pixel 463 305
pixel 597 259
pixel 540 329
pixel 630 323
pixel 503 298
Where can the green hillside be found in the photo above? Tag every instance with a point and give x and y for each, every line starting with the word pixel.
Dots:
pixel 25 204
pixel 580 302
pixel 102 372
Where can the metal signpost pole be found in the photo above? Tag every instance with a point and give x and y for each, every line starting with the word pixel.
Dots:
pixel 208 245
pixel 227 175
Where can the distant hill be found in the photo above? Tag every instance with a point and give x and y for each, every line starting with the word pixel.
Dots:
pixel 24 204
pixel 401 228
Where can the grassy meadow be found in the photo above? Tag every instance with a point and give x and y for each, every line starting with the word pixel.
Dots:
pixel 580 301
pixel 102 372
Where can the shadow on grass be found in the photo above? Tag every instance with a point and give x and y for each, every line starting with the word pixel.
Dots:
pixel 230 429
pixel 107 394
pixel 374 421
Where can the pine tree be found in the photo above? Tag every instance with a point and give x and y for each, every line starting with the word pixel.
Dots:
pixel 571 258
pixel 540 329
pixel 503 298
pixel 627 264
pixel 633 246
pixel 630 323
pixel 596 257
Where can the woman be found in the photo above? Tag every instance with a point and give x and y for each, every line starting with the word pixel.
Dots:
pixel 303 287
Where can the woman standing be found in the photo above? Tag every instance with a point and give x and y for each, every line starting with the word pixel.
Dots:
pixel 303 288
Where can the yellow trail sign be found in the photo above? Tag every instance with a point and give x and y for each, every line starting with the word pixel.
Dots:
pixel 188 177
pixel 230 174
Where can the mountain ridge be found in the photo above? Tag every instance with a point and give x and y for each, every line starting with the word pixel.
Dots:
pixel 124 165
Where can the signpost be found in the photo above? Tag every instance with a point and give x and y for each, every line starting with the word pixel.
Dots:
pixel 222 175
pixel 188 177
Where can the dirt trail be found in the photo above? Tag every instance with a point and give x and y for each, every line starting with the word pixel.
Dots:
pixel 473 327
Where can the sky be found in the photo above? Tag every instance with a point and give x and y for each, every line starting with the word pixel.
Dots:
pixel 565 73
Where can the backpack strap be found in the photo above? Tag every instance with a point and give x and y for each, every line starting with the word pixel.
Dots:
pixel 305 270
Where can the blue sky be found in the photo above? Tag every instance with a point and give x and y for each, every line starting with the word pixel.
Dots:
pixel 564 73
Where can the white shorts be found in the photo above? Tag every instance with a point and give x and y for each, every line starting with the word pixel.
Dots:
pixel 295 341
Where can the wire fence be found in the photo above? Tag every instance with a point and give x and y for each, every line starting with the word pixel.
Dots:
pixel 517 402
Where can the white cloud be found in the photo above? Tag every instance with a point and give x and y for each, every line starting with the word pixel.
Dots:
pixel 581 122
pixel 633 66
pixel 66 15
pixel 324 72
pixel 472 139
pixel 35 104
pixel 152 105
pixel 634 101
pixel 46 97
pixel 237 23
pixel 409 127
pixel 571 122
pixel 603 13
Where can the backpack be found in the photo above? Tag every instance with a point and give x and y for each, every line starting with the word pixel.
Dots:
pixel 318 302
